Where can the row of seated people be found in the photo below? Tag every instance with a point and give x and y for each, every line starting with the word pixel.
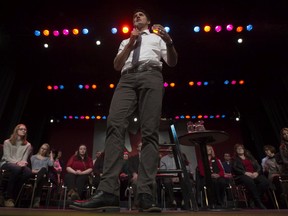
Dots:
pixel 171 184
pixel 129 176
pixel 222 178
pixel 243 169
pixel 76 182
pixel 38 172
pixel 274 169
pixel 18 160
pixel 17 150
pixel 20 165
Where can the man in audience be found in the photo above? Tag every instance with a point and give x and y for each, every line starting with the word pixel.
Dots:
pixel 167 162
pixel 97 168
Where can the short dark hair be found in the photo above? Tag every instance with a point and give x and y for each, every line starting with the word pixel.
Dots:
pixel 269 147
pixel 143 11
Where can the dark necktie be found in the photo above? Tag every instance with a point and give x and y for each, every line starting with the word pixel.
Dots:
pixel 136 52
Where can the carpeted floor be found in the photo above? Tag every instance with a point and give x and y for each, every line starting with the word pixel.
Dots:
pixel 68 212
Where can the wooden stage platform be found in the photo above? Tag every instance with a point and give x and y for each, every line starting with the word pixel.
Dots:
pixel 68 212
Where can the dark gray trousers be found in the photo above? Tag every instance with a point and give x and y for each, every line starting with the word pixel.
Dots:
pixel 142 93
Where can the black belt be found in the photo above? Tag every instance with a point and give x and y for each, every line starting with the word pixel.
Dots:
pixel 140 69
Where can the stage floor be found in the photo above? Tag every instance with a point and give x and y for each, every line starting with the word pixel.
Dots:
pixel 60 212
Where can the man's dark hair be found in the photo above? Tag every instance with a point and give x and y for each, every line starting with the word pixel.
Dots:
pixel 143 11
pixel 270 147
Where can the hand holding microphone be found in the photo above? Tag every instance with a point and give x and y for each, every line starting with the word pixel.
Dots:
pixel 134 35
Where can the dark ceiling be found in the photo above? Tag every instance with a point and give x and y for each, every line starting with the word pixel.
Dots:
pixel 212 57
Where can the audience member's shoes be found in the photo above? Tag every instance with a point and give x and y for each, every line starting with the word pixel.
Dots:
pixel 9 203
pixel 259 204
pixel 101 201
pixel 36 203
pixel 75 196
pixel 146 203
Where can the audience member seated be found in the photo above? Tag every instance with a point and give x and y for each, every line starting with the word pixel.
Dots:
pixel 217 176
pixel 227 165
pixel 16 153
pixel 263 160
pixel 59 165
pixel 133 163
pixel 56 170
pixel 283 149
pixel 40 163
pixel 1 179
pixel 97 155
pixel 273 171
pixel 97 168
pixel 59 158
pixel 248 172
pixel 124 176
pixel 189 168
pixel 78 168
pixel 271 167
pixel 167 162
pixel 55 174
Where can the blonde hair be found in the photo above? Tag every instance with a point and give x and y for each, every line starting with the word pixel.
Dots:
pixel 212 150
pixel 48 149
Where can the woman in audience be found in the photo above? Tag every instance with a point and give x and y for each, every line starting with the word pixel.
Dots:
pixel 16 152
pixel 217 175
pixel 78 168
pixel 97 168
pixel 59 158
pixel 247 171
pixel 54 173
pixel 40 163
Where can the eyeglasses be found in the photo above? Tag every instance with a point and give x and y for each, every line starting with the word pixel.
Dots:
pixel 22 129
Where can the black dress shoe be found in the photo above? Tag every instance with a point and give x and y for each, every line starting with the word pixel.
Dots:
pixel 101 201
pixel 146 203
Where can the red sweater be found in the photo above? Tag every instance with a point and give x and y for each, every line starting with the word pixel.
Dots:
pixel 212 163
pixel 77 164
